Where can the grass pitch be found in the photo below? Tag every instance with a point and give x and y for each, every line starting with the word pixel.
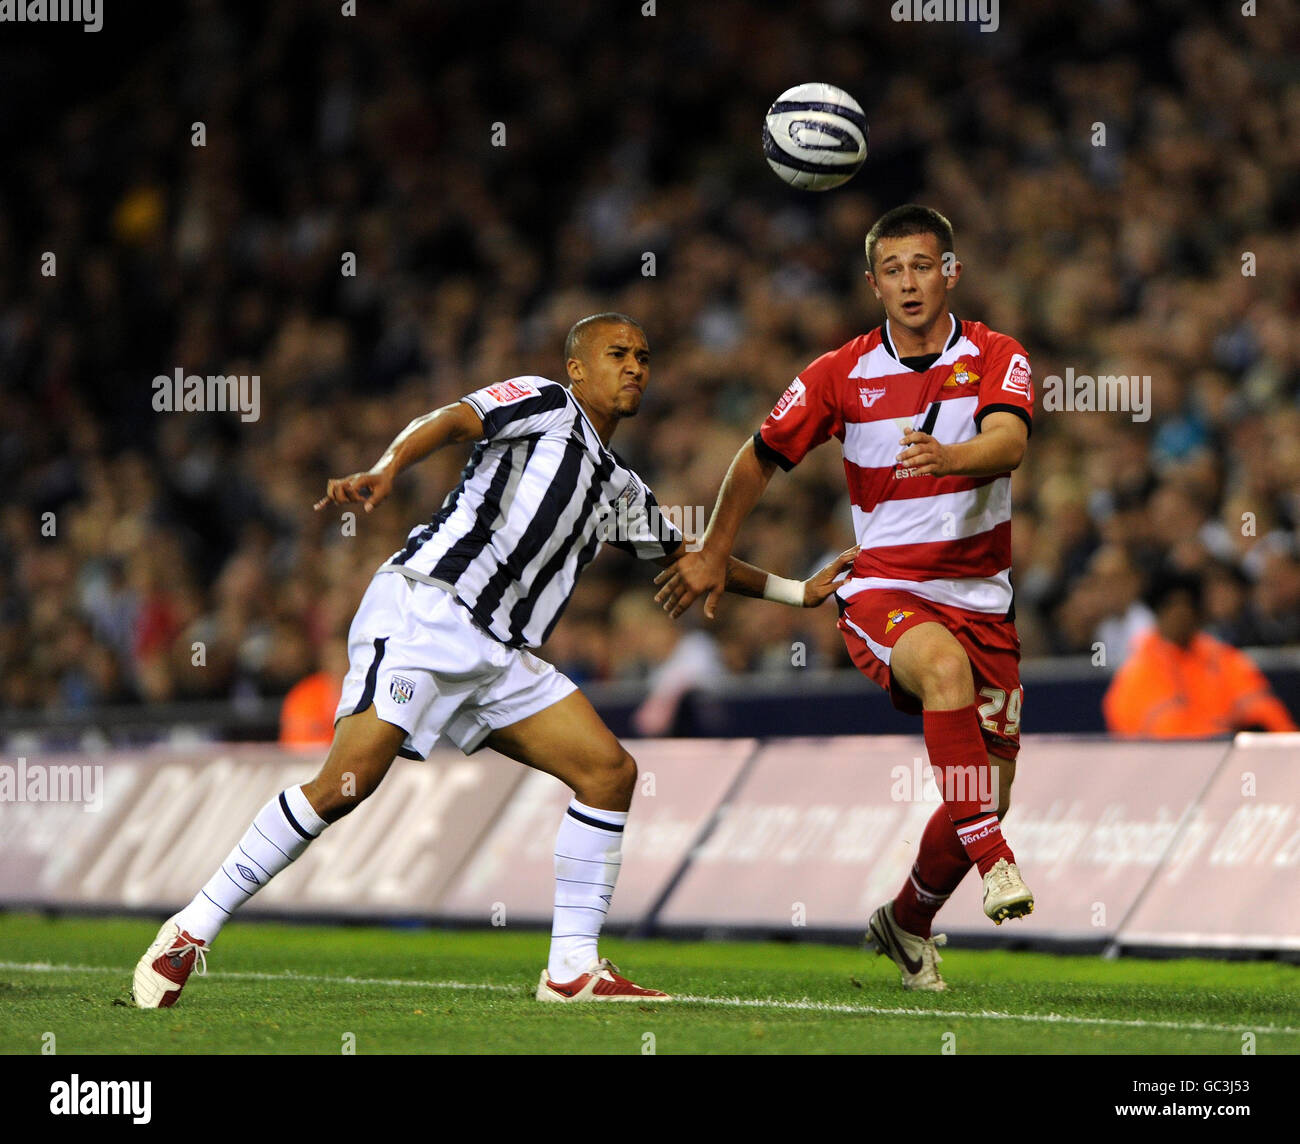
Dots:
pixel 276 988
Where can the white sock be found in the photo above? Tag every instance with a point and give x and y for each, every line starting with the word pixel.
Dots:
pixel 279 833
pixel 588 852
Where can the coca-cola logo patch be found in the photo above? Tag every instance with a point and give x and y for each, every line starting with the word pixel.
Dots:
pixel 1018 378
pixel 793 396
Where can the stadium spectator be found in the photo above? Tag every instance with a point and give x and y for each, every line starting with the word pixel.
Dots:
pixel 1180 683
pixel 307 714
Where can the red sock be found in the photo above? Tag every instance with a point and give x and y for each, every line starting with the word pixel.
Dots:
pixel 961 768
pixel 941 864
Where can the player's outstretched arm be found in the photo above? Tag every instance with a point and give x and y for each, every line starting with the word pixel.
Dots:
pixel 747 580
pixel 449 425
pixel 705 572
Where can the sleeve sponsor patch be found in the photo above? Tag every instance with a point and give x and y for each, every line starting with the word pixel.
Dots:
pixel 1017 379
pixel 508 392
pixel 795 395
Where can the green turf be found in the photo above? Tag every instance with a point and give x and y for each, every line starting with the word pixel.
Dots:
pixel 392 989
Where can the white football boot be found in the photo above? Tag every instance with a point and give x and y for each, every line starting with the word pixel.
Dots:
pixel 1005 893
pixel 917 957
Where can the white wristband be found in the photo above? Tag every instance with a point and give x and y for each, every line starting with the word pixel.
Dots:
pixel 783 591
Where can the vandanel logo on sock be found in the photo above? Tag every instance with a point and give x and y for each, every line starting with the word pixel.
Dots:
pixel 401 689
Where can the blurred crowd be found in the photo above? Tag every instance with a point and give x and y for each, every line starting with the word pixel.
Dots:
pixel 149 556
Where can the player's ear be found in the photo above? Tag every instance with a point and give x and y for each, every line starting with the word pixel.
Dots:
pixel 871 281
pixel 574 369
pixel 952 273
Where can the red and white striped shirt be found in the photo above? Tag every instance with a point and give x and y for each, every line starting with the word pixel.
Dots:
pixel 946 539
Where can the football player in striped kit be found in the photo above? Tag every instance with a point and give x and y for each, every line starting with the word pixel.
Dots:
pixel 440 645
pixel 933 413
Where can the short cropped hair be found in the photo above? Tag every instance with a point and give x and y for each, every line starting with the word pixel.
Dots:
pixel 905 221
pixel 1169 582
pixel 573 344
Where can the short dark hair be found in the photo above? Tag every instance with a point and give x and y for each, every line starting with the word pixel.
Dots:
pixel 905 221
pixel 578 333
pixel 1167 582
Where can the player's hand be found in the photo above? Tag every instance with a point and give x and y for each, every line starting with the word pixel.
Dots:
pixel 692 575
pixel 369 489
pixel 822 582
pixel 924 455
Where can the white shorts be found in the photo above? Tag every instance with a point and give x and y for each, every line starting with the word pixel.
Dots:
pixel 418 657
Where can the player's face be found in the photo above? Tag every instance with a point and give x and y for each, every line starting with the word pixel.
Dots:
pixel 614 369
pixel 909 279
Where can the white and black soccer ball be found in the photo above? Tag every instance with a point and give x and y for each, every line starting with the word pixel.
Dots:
pixel 815 136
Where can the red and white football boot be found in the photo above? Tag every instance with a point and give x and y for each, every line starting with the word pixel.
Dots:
pixel 601 982
pixel 161 973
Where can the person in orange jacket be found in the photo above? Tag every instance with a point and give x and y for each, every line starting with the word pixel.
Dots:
pixel 1180 683
pixel 307 714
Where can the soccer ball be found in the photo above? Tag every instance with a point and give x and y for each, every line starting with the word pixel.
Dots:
pixel 815 136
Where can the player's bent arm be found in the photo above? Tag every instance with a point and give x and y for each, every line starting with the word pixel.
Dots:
pixel 999 447
pixel 452 424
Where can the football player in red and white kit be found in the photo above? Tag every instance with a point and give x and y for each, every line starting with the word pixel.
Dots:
pixel 933 413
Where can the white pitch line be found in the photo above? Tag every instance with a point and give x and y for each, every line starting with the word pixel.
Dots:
pixel 46 967
pixel 987 1015
pixel 802 1006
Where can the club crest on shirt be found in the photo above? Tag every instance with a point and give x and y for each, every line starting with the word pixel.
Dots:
pixel 401 689
pixel 962 374
pixel 870 395
pixel 896 617
pixel 624 499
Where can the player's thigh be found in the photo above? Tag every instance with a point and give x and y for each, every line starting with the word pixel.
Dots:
pixel 363 749
pixel 929 661
pixel 569 740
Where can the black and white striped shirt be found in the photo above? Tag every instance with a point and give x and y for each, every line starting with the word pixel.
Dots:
pixel 535 503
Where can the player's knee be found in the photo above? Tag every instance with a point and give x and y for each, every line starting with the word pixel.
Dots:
pixel 621 774
pixel 947 680
pixel 610 779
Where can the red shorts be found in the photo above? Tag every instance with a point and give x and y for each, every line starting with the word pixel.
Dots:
pixel 873 620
